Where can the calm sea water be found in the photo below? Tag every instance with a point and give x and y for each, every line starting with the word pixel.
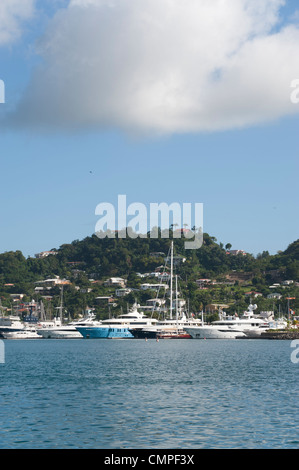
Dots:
pixel 183 394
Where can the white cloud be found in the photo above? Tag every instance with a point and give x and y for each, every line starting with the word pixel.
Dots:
pixel 12 15
pixel 163 66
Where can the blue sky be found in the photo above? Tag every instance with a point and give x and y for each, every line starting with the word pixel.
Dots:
pixel 54 175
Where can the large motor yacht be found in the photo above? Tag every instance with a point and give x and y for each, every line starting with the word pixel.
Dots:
pixel 119 327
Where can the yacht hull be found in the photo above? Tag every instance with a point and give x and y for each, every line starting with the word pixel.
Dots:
pixel 104 332
pixel 214 333
pixel 59 334
pixel 142 334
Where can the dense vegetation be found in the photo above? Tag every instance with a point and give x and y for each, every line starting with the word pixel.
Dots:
pixel 93 259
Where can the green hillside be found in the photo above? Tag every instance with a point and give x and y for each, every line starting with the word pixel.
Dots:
pixel 86 264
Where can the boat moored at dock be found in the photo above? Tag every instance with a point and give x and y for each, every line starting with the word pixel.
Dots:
pixel 232 327
pixel 117 328
pixel 25 333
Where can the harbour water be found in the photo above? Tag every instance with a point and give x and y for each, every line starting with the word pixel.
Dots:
pixel 136 394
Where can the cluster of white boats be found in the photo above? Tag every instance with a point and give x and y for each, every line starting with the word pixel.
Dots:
pixel 135 324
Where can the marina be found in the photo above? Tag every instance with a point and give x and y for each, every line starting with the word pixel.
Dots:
pixel 137 325
pixel 175 324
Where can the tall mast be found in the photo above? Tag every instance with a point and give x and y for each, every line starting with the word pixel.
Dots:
pixel 176 300
pixel 171 278
pixel 42 311
pixel 61 305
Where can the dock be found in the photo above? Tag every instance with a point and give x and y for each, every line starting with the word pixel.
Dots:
pixel 285 334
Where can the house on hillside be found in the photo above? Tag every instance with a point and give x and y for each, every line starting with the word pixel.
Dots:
pixel 202 283
pixel 163 277
pixel 236 252
pixel 122 292
pixel 155 302
pixel 45 254
pixel 177 260
pixel 16 297
pixel 56 281
pixel 115 282
pixel 253 294
pixel 274 295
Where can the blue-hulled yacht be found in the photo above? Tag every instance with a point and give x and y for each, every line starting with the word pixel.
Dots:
pixel 117 328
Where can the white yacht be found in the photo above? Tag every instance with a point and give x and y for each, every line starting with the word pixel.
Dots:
pixel 119 327
pixel 14 328
pixel 68 331
pixel 60 331
pixel 165 327
pixel 10 324
pixel 231 327
pixel 25 333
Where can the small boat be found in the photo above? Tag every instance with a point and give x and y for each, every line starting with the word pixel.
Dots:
pixel 26 333
pixel 174 334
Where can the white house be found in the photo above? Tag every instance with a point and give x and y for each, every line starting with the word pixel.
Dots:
pixel 254 294
pixel 122 292
pixel 115 282
pixel 45 254
pixel 177 260
pixel 236 252
pixel 163 277
pixel 274 295
pixel 56 281
pixel 155 302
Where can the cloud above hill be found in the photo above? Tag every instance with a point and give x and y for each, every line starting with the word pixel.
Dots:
pixel 171 66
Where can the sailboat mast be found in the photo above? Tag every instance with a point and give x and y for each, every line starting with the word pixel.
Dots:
pixel 171 278
pixel 176 300
pixel 61 305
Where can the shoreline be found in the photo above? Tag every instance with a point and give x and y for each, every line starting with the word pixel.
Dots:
pixel 288 335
